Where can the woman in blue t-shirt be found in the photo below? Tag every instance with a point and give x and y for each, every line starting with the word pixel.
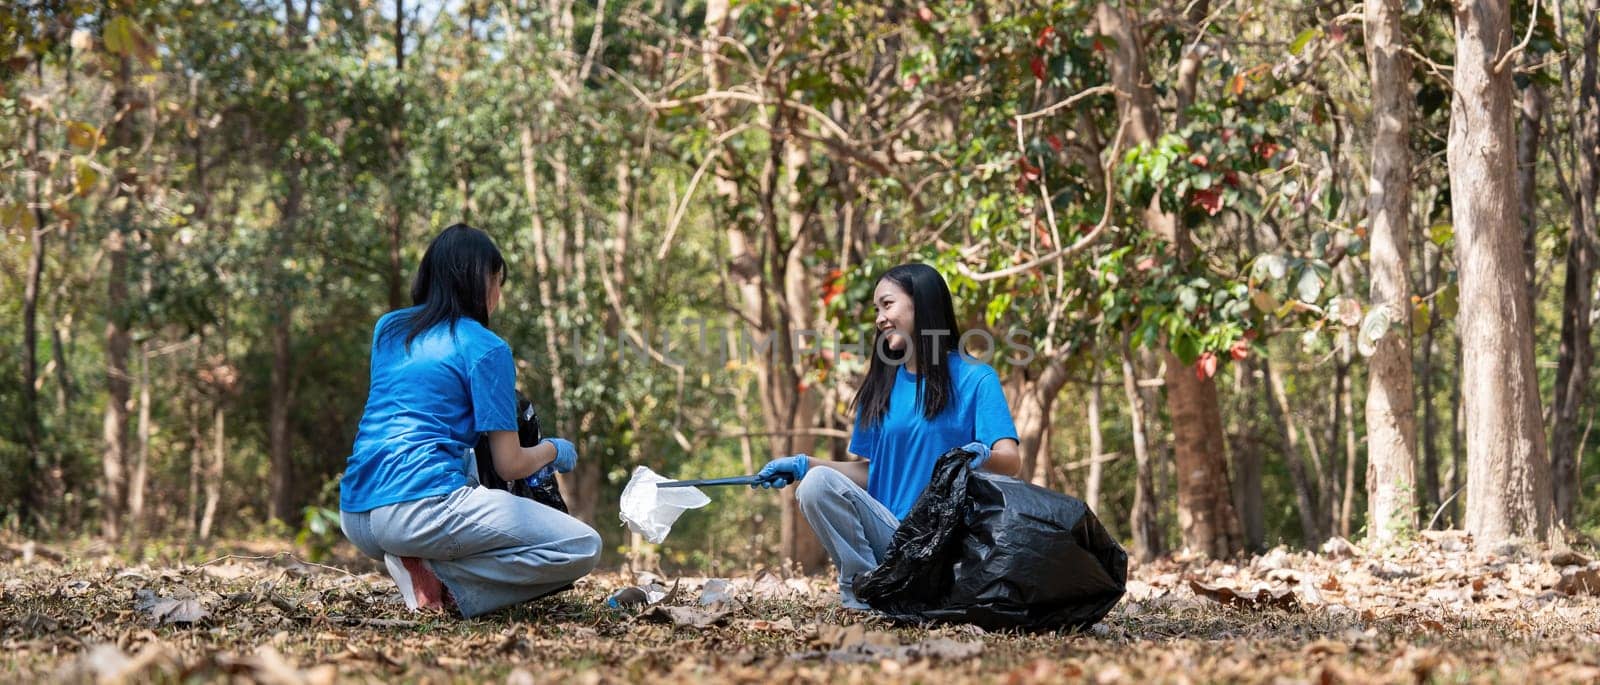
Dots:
pixel 440 378
pixel 920 398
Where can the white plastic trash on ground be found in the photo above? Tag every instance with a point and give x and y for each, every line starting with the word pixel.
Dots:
pixel 650 511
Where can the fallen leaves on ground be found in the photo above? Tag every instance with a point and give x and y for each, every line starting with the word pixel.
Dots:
pixel 1440 609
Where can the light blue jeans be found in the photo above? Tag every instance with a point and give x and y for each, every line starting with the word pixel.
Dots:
pixel 852 526
pixel 490 548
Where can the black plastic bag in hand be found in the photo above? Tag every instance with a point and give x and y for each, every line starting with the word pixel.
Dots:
pixel 999 553
pixel 528 434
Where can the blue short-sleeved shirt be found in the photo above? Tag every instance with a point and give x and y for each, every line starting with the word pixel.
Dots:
pixel 905 446
pixel 424 409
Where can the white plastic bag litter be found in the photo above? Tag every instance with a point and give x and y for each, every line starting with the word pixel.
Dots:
pixel 651 511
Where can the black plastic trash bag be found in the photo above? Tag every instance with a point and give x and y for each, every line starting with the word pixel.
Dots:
pixel 528 433
pixel 998 553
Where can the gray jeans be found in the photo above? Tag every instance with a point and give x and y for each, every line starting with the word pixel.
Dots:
pixel 490 548
pixel 852 526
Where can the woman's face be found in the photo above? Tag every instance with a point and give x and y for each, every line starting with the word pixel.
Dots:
pixel 492 292
pixel 894 321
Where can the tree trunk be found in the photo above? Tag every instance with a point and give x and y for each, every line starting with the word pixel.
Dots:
pixel 280 384
pixel 1431 495
pixel 1091 490
pixel 1576 356
pixel 214 472
pixel 1352 455
pixel 397 157
pixel 1035 398
pixel 1148 542
pixel 114 461
pixel 1530 109
pixel 1508 481
pixel 1246 452
pixel 1304 486
pixel 1391 404
pixel 32 502
pixel 1205 507
pixel 141 462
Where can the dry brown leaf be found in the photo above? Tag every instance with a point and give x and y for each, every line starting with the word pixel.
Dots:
pixel 1262 598
pixel 685 616
pixel 1576 581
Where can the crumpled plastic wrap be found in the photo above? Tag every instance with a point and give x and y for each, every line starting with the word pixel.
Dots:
pixel 650 511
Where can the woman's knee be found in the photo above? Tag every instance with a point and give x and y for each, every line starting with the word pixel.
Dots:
pixel 820 484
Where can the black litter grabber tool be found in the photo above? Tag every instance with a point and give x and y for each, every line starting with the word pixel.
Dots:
pixel 734 480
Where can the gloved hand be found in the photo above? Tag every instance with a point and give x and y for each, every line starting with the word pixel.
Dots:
pixel 566 454
pixel 980 454
pixel 783 471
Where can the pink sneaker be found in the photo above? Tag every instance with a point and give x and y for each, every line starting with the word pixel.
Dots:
pixel 418 585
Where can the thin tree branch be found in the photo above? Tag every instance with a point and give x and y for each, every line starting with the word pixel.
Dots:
pixel 1511 54
pixel 1109 165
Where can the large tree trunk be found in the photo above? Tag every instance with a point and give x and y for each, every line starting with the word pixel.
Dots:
pixel 1391 405
pixel 1205 506
pixel 1576 357
pixel 1508 480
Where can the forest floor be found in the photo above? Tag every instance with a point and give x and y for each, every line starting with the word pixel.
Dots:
pixel 1436 610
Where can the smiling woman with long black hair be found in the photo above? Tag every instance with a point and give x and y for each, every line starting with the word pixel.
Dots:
pixel 440 378
pixel 920 398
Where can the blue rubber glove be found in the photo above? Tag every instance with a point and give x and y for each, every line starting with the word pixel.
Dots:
pixel 980 454
pixel 782 471
pixel 566 454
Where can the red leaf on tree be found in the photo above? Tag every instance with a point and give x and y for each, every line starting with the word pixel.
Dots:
pixel 1206 366
pixel 1209 199
pixel 911 82
pixel 1085 228
pixel 1199 160
pixel 1037 65
pixel 1055 142
pixel 1265 149
pixel 1227 135
pixel 1146 264
pixel 1240 350
pixel 924 13
pixel 1251 334
pixel 1044 36
pixel 1231 178
pixel 1029 171
pixel 1099 46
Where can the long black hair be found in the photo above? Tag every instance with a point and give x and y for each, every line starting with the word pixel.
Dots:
pixel 452 282
pixel 934 335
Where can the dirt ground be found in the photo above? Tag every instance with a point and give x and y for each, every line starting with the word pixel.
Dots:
pixel 1437 610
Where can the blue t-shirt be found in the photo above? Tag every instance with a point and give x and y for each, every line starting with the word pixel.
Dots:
pixel 905 446
pixel 424 409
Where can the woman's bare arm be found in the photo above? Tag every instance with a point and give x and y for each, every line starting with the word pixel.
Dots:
pixel 512 461
pixel 1004 458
